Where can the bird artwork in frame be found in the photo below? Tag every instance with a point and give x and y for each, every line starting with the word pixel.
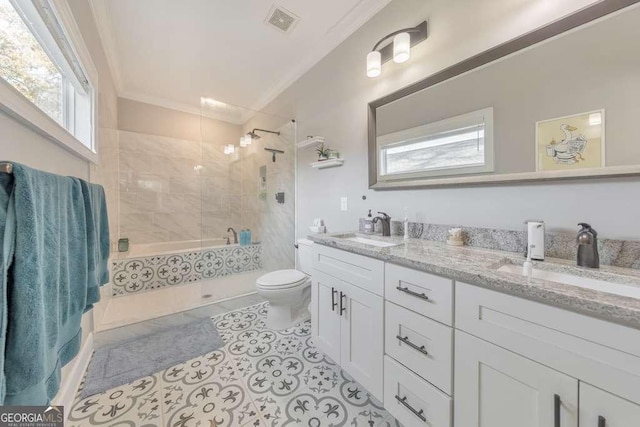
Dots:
pixel 571 142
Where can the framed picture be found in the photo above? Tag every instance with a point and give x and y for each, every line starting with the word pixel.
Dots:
pixel 571 142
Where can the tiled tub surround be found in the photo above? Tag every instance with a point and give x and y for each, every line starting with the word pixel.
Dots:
pixel 154 271
pixel 618 253
pixel 479 267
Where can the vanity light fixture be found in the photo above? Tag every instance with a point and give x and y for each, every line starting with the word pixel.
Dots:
pixel 399 50
pixel 229 149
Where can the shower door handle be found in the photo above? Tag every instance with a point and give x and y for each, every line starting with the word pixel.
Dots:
pixel 334 304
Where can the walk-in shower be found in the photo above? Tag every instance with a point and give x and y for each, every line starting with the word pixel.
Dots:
pixel 179 197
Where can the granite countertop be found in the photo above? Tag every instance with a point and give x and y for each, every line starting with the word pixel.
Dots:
pixel 479 267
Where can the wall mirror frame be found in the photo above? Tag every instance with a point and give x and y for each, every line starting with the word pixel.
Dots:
pixel 584 16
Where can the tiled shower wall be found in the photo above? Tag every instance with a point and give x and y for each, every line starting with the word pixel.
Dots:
pixel 252 206
pixel 173 189
pixel 161 185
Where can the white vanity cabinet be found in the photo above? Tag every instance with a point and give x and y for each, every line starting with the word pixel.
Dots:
pixel 347 317
pixel 440 353
pixel 498 388
pixel 523 354
pixel 601 409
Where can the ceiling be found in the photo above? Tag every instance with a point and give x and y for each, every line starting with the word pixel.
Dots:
pixel 172 53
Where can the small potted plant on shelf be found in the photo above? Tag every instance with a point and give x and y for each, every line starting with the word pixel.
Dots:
pixel 323 153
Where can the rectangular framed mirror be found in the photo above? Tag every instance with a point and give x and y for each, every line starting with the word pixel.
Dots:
pixel 556 103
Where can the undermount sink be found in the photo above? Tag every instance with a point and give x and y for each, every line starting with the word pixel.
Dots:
pixel 371 242
pixel 582 282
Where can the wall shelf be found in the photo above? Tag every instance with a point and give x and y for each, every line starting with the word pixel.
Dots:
pixel 310 141
pixel 330 163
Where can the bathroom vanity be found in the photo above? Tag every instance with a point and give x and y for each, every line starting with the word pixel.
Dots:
pixel 449 336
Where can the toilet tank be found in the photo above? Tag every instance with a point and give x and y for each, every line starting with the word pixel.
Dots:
pixel 305 256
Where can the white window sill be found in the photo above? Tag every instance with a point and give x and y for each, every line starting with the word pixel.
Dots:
pixel 16 105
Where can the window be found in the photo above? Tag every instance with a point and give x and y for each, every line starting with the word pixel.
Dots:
pixel 38 60
pixel 459 145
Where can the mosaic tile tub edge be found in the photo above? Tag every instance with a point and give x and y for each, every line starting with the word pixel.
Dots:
pixel 140 274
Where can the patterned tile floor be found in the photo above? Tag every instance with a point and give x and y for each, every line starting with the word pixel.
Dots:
pixel 259 378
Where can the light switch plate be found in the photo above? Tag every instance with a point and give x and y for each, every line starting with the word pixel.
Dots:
pixel 343 204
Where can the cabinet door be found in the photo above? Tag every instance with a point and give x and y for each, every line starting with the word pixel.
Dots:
pixel 601 409
pixel 362 338
pixel 497 388
pixel 325 325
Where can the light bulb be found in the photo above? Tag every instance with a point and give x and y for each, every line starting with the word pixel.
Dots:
pixel 247 140
pixel 374 64
pixel 242 142
pixel 401 48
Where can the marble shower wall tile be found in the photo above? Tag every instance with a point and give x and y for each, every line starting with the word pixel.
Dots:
pixel 619 253
pixel 164 196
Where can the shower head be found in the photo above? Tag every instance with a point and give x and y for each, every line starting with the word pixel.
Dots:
pixel 254 135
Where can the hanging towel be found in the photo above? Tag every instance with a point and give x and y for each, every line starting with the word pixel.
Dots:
pixel 7 230
pixel 46 283
pixel 95 206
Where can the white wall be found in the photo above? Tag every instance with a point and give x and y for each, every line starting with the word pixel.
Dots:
pixel 331 100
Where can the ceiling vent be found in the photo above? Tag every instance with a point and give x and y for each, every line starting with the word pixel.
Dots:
pixel 281 19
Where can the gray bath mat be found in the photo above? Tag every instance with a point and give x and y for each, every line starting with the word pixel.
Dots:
pixel 123 363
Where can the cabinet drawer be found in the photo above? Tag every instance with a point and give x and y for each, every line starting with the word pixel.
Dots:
pixel 596 351
pixel 366 273
pixel 421 344
pixel 412 400
pixel 424 293
pixel 601 409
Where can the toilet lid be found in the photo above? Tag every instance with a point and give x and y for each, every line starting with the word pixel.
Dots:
pixel 281 279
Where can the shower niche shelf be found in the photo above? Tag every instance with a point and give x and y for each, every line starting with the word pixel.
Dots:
pixel 330 163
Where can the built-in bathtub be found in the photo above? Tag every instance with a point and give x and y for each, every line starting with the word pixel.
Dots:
pixel 156 265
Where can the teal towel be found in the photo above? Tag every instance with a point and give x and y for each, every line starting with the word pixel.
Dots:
pixel 46 283
pixel 98 243
pixel 7 230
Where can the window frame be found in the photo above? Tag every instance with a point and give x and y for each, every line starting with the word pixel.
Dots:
pixel 16 105
pixel 428 129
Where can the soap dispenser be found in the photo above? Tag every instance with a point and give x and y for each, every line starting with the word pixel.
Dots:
pixel 368 223
pixel 535 239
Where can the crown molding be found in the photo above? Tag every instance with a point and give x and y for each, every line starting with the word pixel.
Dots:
pixel 347 25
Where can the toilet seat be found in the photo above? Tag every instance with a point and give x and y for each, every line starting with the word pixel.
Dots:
pixel 281 279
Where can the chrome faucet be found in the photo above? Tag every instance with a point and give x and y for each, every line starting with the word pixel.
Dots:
pixel 235 235
pixel 386 223
pixel 588 247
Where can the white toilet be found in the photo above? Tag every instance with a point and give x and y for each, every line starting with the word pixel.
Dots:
pixel 288 291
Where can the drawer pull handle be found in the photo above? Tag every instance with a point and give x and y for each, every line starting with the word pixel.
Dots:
pixel 418 414
pixel 405 340
pixel 342 307
pixel 334 304
pixel 556 410
pixel 412 293
pixel 602 422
